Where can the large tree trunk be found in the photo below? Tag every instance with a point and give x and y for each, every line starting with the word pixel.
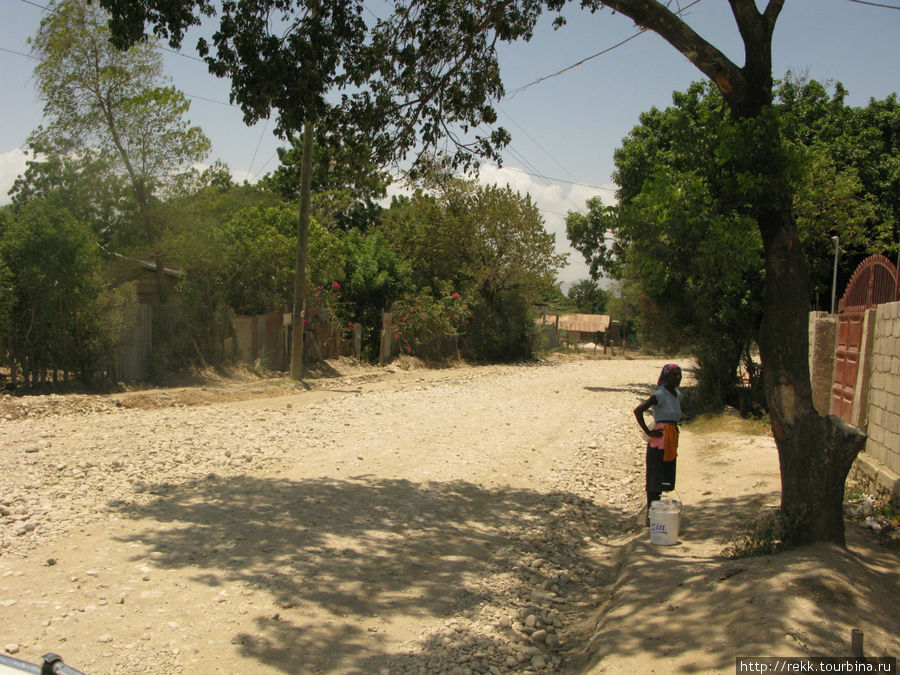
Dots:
pixel 815 453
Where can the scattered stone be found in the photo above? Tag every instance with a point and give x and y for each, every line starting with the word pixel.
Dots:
pixel 11 648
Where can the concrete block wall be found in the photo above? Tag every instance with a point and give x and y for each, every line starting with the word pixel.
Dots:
pixel 881 458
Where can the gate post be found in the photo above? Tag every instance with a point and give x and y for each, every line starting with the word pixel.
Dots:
pixel 822 342
pixel 387 336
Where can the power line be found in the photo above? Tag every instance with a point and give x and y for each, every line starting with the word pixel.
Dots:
pixel 534 140
pixel 574 65
pixel 548 180
pixel 210 100
pixel 34 4
pixel 187 56
pixel 563 180
pixel 594 56
pixel 12 51
pixel 258 143
pixel 875 4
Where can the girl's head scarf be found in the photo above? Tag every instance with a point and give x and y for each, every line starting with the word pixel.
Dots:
pixel 668 368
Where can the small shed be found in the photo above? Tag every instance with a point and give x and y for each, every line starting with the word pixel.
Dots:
pixel 143 274
pixel 575 328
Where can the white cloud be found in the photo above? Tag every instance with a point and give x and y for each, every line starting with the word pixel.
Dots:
pixel 554 201
pixel 241 175
pixel 12 165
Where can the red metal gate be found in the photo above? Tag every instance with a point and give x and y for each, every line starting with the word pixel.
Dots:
pixel 874 282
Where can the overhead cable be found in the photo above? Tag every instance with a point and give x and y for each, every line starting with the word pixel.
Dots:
pixel 875 4
pixel 641 31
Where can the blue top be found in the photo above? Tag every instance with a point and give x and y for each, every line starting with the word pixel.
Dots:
pixel 668 406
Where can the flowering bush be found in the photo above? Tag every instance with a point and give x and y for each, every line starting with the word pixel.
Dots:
pixel 428 326
pixel 323 304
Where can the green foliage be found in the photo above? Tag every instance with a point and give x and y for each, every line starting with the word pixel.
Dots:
pixel 85 183
pixel 261 249
pixel 588 297
pixel 488 243
pixel 55 313
pixel 178 329
pixel 346 183
pixel 374 278
pixel 482 237
pixel 111 108
pixel 501 329
pixel 685 233
pixel 851 185
pixel 289 65
pixel 428 325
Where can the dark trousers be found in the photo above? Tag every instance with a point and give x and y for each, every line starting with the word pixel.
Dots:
pixel 660 474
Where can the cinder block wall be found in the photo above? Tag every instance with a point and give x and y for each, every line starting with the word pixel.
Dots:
pixel 879 463
pixel 882 452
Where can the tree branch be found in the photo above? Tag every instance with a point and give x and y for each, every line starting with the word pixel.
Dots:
pixel 651 14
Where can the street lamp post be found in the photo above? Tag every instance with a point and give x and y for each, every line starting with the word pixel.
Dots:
pixel 837 243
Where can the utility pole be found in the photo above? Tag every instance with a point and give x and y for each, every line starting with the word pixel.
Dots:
pixel 837 243
pixel 298 316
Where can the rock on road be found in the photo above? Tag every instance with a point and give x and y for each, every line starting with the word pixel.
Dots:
pixel 451 520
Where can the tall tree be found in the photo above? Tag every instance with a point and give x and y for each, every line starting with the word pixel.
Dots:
pixel 283 57
pixel 112 102
pixel 588 297
pixel 677 234
pixel 489 244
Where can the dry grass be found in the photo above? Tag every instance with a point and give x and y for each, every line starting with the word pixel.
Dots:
pixel 729 423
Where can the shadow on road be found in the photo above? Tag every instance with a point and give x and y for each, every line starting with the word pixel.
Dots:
pixel 689 601
pixel 342 560
pixel 357 549
pixel 637 388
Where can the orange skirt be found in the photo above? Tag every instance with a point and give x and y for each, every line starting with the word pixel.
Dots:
pixel 668 442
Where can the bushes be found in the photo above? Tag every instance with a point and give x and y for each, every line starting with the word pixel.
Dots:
pixel 499 330
pixel 428 326
pixel 56 314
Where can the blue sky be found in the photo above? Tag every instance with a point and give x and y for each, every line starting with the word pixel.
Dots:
pixel 564 128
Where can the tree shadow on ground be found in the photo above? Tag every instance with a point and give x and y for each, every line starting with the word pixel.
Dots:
pixel 638 388
pixel 357 548
pixel 688 599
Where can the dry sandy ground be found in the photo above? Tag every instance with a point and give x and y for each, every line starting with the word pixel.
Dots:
pixel 464 520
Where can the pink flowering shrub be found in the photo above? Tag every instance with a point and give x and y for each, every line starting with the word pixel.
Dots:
pixel 427 326
pixel 323 305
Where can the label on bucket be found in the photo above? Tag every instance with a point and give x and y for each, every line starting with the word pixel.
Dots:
pixel 664 524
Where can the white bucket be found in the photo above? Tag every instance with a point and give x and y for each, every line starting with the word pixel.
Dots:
pixel 665 521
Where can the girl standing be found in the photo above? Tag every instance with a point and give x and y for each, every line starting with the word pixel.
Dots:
pixel 662 444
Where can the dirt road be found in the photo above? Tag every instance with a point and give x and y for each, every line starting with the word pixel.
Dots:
pixel 433 519
pixel 465 520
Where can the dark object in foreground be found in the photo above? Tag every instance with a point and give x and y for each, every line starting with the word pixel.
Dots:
pixel 52 664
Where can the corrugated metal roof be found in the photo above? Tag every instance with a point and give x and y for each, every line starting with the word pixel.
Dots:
pixel 585 323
